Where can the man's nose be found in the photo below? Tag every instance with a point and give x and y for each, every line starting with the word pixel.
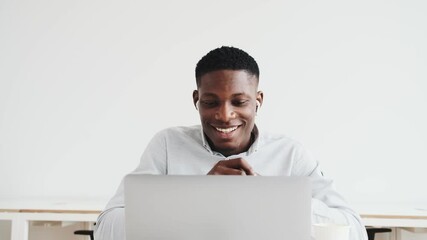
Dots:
pixel 225 113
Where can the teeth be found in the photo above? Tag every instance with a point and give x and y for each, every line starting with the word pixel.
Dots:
pixel 226 130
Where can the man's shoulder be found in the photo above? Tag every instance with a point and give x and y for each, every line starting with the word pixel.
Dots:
pixel 181 132
pixel 182 129
pixel 279 138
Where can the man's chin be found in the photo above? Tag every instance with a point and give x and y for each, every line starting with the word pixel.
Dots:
pixel 226 149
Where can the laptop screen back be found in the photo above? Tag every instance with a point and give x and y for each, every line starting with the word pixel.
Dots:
pixel 217 207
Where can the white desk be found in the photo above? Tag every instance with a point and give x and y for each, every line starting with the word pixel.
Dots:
pixel 20 212
pixel 393 215
pixel 410 218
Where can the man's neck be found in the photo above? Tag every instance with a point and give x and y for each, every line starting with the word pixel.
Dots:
pixel 251 139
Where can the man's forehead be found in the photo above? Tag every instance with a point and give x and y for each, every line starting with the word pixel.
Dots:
pixel 227 72
pixel 228 78
pixel 211 94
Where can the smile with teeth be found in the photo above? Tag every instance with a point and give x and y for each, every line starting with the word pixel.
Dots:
pixel 226 130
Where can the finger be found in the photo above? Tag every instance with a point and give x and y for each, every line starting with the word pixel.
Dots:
pixel 223 170
pixel 219 169
pixel 238 163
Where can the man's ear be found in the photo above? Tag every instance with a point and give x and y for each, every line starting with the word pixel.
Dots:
pixel 195 98
pixel 260 98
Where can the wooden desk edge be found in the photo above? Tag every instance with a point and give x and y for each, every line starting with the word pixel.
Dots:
pixel 50 211
pixel 392 216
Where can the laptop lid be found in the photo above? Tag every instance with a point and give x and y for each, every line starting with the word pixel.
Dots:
pixel 217 207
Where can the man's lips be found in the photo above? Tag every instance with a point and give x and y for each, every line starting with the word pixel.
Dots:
pixel 226 129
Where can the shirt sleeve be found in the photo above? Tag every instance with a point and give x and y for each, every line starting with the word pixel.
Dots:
pixel 110 224
pixel 328 206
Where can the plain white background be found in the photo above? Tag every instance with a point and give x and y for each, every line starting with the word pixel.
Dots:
pixel 84 85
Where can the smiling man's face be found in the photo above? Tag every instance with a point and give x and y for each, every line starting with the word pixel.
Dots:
pixel 227 106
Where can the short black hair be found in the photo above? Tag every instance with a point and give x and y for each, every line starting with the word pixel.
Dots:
pixel 226 58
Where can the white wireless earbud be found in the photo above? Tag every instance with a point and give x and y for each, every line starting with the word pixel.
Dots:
pixel 197 105
pixel 258 105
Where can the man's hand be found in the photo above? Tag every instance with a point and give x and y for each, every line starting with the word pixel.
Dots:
pixel 236 166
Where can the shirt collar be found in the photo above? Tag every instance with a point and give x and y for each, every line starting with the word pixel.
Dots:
pixel 252 149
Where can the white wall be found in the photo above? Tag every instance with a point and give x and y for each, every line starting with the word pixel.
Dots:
pixel 85 84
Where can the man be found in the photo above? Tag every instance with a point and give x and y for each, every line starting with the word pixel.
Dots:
pixel 229 143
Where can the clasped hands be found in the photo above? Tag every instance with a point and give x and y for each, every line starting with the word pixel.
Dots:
pixel 236 166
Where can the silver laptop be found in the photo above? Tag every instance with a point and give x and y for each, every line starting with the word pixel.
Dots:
pixel 217 208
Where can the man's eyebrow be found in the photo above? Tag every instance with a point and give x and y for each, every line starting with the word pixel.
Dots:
pixel 240 94
pixel 209 95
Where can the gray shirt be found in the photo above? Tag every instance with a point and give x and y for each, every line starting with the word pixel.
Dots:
pixel 185 151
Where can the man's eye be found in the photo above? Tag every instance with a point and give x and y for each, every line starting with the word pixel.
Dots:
pixel 209 103
pixel 240 102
